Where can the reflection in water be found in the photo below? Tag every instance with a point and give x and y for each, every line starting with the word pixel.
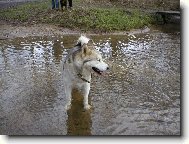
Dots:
pixel 79 121
pixel 140 95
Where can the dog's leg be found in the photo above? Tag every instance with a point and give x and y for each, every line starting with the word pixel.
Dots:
pixel 85 94
pixel 68 91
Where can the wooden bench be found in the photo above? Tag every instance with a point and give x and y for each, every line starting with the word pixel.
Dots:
pixel 165 14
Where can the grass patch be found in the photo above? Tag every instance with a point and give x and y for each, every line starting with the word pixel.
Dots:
pixel 93 18
pixel 105 19
pixel 25 12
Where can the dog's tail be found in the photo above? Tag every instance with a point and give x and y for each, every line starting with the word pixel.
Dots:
pixel 82 40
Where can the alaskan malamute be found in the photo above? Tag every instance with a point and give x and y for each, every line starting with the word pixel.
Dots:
pixel 80 63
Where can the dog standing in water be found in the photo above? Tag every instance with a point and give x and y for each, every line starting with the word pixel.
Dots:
pixel 80 63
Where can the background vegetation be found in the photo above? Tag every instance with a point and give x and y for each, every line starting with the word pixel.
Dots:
pixel 95 15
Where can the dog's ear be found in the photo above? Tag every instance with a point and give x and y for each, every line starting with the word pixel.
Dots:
pixel 85 50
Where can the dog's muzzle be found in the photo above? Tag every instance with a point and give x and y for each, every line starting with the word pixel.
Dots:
pixel 98 71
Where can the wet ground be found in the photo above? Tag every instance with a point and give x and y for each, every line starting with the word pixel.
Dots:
pixel 140 95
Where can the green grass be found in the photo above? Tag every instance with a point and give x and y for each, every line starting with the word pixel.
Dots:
pixel 85 19
pixel 105 19
pixel 24 12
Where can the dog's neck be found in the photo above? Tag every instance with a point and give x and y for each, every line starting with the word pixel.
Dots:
pixel 81 77
pixel 85 75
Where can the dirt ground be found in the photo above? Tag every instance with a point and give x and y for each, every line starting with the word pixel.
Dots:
pixel 8 31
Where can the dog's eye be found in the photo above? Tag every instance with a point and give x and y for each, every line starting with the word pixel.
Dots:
pixel 98 60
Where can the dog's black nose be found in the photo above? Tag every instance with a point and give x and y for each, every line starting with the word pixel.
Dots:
pixel 107 68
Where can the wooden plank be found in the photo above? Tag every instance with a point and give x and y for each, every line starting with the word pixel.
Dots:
pixel 168 12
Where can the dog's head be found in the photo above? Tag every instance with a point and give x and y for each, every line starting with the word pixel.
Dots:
pixel 90 59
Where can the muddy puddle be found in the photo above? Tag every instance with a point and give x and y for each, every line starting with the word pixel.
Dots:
pixel 140 95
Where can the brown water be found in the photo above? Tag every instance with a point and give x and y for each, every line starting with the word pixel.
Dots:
pixel 140 95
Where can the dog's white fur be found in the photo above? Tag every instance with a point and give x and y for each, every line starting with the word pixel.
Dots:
pixel 80 63
pixel 83 40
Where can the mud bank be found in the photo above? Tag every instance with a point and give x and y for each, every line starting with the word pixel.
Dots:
pixel 10 31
